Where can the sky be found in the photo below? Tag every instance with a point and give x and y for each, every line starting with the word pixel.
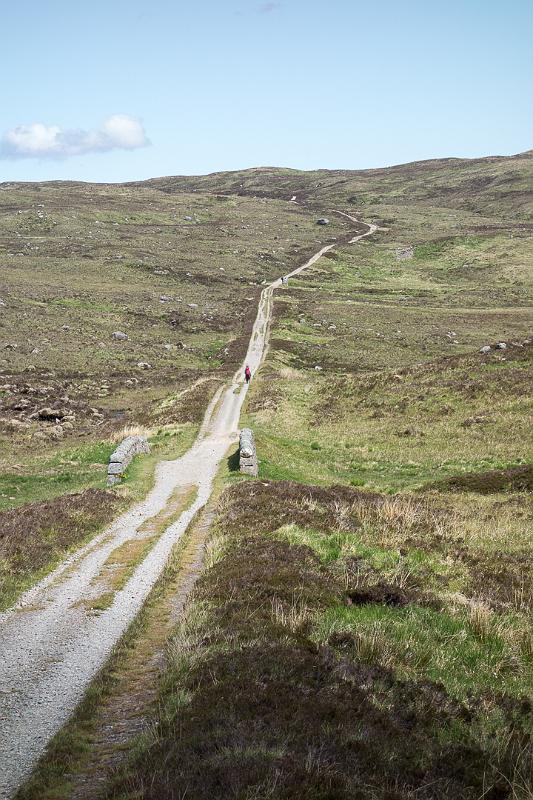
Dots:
pixel 115 90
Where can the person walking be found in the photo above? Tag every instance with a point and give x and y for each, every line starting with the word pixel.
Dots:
pixel 247 374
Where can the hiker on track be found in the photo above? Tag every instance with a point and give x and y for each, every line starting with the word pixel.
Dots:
pixel 247 374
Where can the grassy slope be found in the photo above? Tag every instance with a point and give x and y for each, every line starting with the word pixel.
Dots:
pixel 345 642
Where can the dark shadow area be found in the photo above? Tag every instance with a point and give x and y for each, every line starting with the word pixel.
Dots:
pixel 233 461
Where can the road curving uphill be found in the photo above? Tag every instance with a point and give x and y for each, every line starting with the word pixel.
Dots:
pixel 52 643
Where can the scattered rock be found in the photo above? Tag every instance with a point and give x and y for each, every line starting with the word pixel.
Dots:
pixel 404 253
pixel 477 420
pixel 15 424
pixel 120 335
pixel 56 432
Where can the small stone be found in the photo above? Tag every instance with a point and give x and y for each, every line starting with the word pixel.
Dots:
pixel 322 221
pixel 485 349
pixel 404 253
pixel 144 365
pixel 120 335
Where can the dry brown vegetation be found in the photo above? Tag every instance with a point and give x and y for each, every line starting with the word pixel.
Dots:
pixel 259 702
pixel 43 532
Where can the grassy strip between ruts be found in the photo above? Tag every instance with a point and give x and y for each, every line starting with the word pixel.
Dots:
pixel 341 645
pixel 124 560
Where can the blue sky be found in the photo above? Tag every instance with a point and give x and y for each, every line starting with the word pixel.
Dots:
pixel 112 90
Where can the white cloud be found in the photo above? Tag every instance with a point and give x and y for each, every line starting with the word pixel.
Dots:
pixel 119 132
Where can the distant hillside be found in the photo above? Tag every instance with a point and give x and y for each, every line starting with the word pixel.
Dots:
pixel 496 185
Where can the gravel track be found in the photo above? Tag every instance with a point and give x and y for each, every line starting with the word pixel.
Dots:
pixel 51 646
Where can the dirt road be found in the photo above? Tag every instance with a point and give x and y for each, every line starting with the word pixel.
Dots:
pixel 51 643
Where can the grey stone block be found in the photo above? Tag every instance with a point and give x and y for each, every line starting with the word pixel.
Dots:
pixel 120 459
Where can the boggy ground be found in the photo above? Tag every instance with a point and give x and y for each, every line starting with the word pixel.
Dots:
pixel 341 645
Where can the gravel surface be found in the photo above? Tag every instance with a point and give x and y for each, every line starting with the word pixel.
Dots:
pixel 51 646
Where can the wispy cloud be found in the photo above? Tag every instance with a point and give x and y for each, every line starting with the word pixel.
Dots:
pixel 119 132
pixel 268 8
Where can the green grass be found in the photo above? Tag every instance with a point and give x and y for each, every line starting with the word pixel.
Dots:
pixel 71 469
pixel 68 469
pixel 436 646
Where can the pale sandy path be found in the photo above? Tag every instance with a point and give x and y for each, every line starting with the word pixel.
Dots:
pixel 51 647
